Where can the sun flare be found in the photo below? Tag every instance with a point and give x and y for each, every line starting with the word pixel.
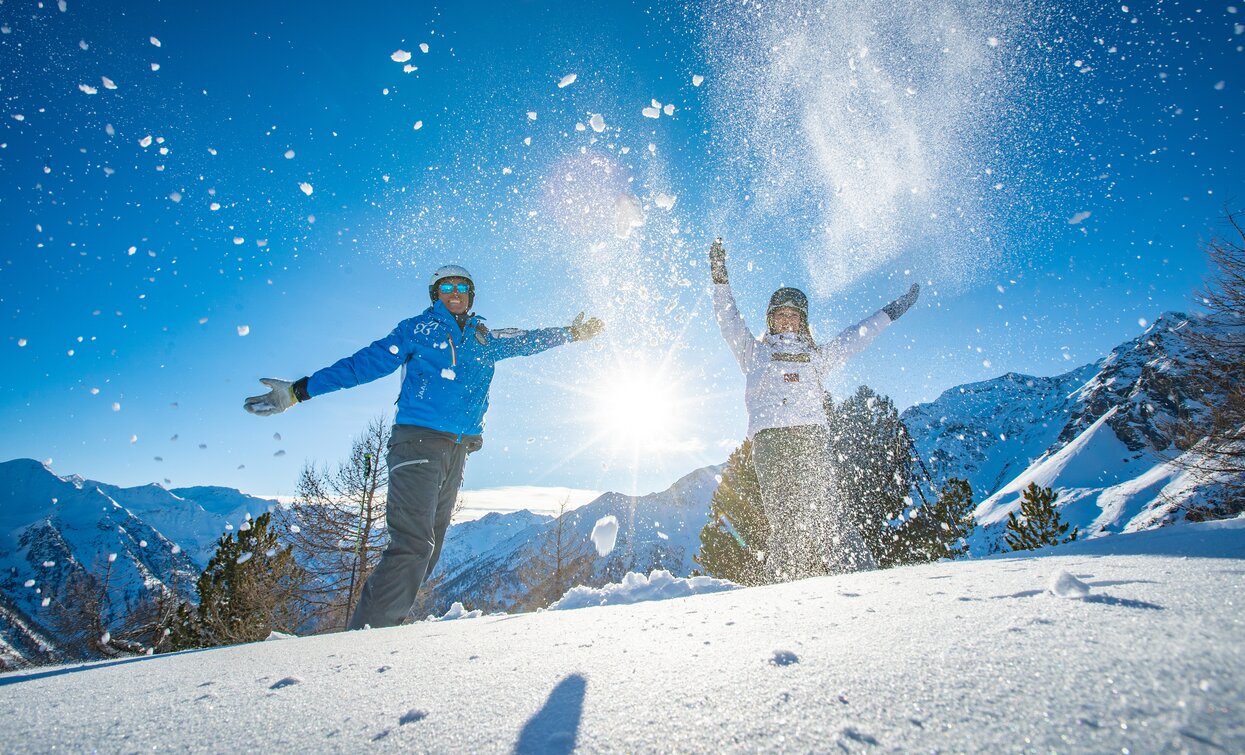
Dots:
pixel 638 411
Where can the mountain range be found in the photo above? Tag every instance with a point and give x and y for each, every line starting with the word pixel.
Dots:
pixel 1095 434
pixel 1098 435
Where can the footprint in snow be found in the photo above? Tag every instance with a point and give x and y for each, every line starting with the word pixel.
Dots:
pixel 784 658
pixel 411 716
pixel 288 681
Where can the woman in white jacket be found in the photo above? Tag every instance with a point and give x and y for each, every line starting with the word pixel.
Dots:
pixel 810 532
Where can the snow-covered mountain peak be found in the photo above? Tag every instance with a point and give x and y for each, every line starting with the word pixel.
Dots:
pixel 1148 379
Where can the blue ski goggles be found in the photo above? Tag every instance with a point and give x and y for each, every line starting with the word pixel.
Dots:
pixel 449 288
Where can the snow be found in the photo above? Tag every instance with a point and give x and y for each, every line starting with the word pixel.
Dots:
pixel 400 56
pixel 567 80
pixel 1064 585
pixel 957 656
pixel 597 121
pixel 604 534
pixel 697 80
pixel 305 188
pixel 448 373
pixel 627 216
pixel 637 588
pixel 457 611
pixel 1102 485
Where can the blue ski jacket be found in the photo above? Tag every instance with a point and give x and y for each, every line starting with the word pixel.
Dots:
pixel 446 369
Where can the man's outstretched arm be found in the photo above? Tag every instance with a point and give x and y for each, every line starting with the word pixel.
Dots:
pixel 513 342
pixel 373 361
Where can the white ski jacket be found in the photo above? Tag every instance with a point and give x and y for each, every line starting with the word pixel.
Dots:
pixel 784 372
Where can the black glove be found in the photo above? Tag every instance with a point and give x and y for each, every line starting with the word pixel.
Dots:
pixel 900 305
pixel 717 262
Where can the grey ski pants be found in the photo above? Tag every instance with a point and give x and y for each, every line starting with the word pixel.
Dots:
pixel 425 472
pixel 811 532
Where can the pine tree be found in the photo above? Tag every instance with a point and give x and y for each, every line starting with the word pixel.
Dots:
pixel 873 470
pixel 941 530
pixel 336 525
pixel 248 590
pixel 1039 523
pixel 563 560
pixel 734 540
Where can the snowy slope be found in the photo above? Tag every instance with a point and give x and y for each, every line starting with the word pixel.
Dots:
pixel 990 432
pixel 22 641
pixel 1095 435
pixel 1104 487
pixel 54 529
pixel 960 656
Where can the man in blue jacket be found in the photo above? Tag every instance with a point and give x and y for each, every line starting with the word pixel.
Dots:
pixel 447 357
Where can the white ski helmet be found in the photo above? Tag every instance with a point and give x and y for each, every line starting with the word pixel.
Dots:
pixel 451 271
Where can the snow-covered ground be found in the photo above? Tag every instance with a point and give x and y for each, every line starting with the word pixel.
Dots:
pixel 990 655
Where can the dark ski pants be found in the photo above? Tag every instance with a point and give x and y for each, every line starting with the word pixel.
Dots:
pixel 425 472
pixel 811 531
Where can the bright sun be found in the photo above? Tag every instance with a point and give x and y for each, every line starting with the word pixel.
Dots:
pixel 637 411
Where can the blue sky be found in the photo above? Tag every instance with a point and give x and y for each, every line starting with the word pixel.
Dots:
pixel 847 149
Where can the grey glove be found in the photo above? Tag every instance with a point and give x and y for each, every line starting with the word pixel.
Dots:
pixel 901 305
pixel 717 262
pixel 582 330
pixel 275 401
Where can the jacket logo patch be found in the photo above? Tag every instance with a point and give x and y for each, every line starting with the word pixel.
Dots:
pixel 786 357
pixel 791 377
